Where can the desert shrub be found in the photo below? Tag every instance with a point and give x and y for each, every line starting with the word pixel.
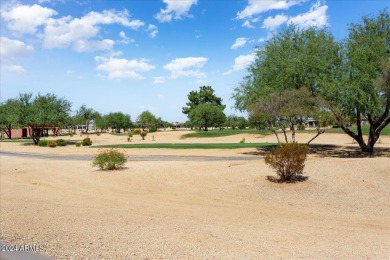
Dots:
pixel 137 131
pixel 52 144
pixel 143 134
pixel 98 133
pixel 61 142
pixel 78 144
pixel 87 141
pixel 288 160
pixel 109 160
pixel 42 143
pixel 242 140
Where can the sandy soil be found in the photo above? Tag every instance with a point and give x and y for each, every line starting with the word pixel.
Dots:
pixel 192 210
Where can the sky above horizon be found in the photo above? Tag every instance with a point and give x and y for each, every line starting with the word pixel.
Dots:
pixel 137 55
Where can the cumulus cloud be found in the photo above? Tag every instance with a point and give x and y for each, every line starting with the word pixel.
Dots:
pixel 153 30
pixel 316 16
pixel 11 51
pixel 25 19
pixel 175 10
pixel 186 67
pixel 122 68
pixel 271 23
pixel 242 62
pixel 79 32
pixel 240 42
pixel 256 7
pixel 158 80
pixel 125 39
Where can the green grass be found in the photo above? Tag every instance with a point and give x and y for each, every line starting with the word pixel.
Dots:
pixel 225 132
pixel 189 145
pixel 365 129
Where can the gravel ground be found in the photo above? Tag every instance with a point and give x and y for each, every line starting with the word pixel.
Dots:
pixel 195 209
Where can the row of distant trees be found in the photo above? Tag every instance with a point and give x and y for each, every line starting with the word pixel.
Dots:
pixel 42 111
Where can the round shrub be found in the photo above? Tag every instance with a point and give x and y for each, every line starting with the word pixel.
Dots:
pixel 87 141
pixel 143 134
pixel 52 144
pixel 137 131
pixel 288 160
pixel 61 142
pixel 78 144
pixel 109 160
pixel 42 143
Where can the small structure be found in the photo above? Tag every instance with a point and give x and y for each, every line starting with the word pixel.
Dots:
pixel 311 123
pixel 25 132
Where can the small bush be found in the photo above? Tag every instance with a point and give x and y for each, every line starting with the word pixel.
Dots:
pixel 52 144
pixel 98 133
pixel 137 131
pixel 242 141
pixel 288 160
pixel 109 160
pixel 61 142
pixel 78 144
pixel 143 134
pixel 42 143
pixel 87 141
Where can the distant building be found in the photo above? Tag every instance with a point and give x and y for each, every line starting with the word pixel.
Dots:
pixel 25 132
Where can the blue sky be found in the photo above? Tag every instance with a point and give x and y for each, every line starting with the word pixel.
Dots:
pixel 137 55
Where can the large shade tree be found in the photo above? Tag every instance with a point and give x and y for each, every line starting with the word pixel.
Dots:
pixel 85 115
pixel 350 78
pixel 9 116
pixel 118 121
pixel 148 120
pixel 41 112
pixel 199 102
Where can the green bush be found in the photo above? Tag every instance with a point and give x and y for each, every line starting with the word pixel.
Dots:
pixel 288 160
pixel 87 141
pixel 143 134
pixel 61 142
pixel 42 143
pixel 52 144
pixel 98 133
pixel 242 141
pixel 78 144
pixel 137 131
pixel 109 160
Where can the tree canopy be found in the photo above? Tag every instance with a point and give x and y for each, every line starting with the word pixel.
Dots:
pixel 149 120
pixel 9 116
pixel 348 78
pixel 204 108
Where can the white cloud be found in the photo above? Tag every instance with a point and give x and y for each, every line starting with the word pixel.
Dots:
pixel 123 68
pixel 153 30
pixel 186 67
pixel 14 68
pixel 315 17
pixel 175 10
pixel 271 23
pixel 256 7
pixel 79 32
pixel 25 19
pixel 159 80
pixel 11 51
pixel 242 62
pixel 125 39
pixel 248 24
pixel 240 42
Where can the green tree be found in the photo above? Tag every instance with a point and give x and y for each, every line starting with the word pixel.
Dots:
pixel 206 115
pixel 350 80
pixel 118 121
pixel 148 120
pixel 85 116
pixel 42 111
pixel 205 96
pixel 9 116
pixel 236 122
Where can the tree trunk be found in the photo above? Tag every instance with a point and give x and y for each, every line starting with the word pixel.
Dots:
pixel 8 131
pixel 292 127
pixel 319 131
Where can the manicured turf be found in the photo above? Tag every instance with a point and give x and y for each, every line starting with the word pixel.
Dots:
pixel 189 145
pixel 225 132
pixel 365 129
pixel 16 140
